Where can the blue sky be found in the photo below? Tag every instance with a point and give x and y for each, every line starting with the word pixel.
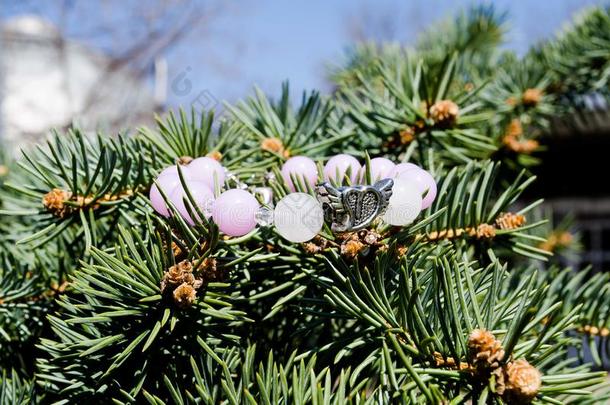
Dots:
pixel 265 42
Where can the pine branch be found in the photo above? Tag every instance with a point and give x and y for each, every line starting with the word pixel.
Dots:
pixel 134 285
pixel 78 188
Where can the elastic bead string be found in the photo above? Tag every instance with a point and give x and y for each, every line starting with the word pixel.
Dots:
pixel 398 194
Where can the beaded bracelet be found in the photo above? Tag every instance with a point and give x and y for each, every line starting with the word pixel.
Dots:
pixel 395 196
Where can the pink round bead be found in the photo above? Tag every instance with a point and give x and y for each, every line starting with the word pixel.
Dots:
pixel 207 169
pixel 341 163
pixel 202 194
pixel 403 167
pixel 380 168
pixel 300 167
pixel 173 171
pixel 234 212
pixel 425 182
pixel 168 180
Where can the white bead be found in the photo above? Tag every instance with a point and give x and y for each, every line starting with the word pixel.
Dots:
pixel 405 203
pixel 298 217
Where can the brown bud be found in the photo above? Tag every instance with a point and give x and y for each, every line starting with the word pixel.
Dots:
pixel 184 160
pixel 500 376
pixel 272 145
pixel 514 129
pixel 316 245
pixel 485 350
pixel 407 135
pixel 444 112
pixel 522 381
pixel 178 274
pixel 216 155
pixel 369 237
pixel 54 201
pixel 184 295
pixel 528 146
pixel 401 251
pixel 311 248
pixel 508 220
pixel 210 270
pixel 531 97
pixel 564 238
pixel 176 249
pixel 484 231
pixel 351 248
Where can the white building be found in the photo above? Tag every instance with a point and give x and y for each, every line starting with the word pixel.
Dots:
pixel 48 82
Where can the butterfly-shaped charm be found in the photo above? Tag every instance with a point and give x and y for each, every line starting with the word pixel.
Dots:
pixel 354 207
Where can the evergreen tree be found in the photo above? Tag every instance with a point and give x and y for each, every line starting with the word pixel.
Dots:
pixel 465 305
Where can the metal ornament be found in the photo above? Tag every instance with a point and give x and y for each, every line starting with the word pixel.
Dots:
pixel 352 208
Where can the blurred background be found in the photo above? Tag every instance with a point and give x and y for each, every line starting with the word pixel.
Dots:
pixel 110 65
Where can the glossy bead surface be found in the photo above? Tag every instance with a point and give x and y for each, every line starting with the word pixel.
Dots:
pixel 340 164
pixel 234 211
pixel 298 217
pixel 207 170
pixel 301 167
pixel 405 203
pixel 403 167
pixel 173 171
pixel 380 168
pixel 167 183
pixel 425 182
pixel 201 193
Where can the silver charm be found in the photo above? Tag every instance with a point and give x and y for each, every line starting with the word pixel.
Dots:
pixel 354 207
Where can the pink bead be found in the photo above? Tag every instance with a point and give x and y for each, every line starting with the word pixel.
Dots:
pixel 168 180
pixel 341 163
pixel 207 169
pixel 201 193
pixel 425 182
pixel 380 168
pixel 403 167
pixel 234 212
pixel 300 167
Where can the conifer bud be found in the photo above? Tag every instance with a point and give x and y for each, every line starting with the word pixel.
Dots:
pixel 444 112
pixel 316 245
pixel 179 274
pixel 407 135
pixel 210 270
pixel 351 248
pixel 508 220
pixel 514 129
pixel 274 145
pixel 370 237
pixel 216 155
pixel 54 201
pixel 484 231
pixel 485 350
pixel 531 97
pixel 522 381
pixel 184 295
pixel 311 248
pixel 184 160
